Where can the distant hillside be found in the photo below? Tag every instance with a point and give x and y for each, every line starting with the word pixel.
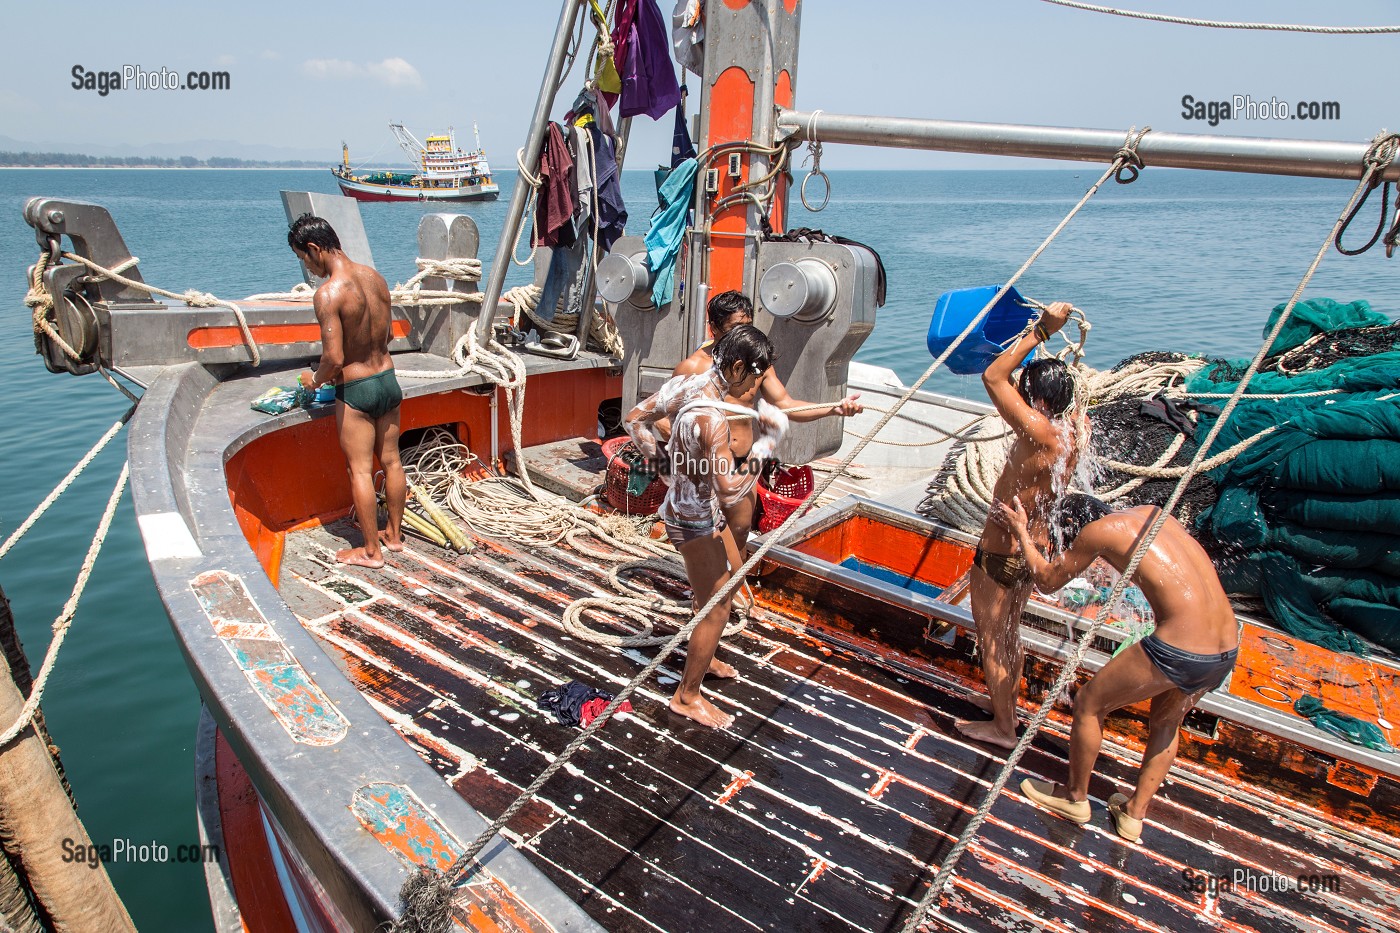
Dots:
pixel 78 160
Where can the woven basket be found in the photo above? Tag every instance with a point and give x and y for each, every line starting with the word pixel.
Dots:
pixel 620 451
pixel 780 496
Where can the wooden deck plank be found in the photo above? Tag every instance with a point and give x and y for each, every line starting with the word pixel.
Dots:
pixel 812 728
pixel 902 867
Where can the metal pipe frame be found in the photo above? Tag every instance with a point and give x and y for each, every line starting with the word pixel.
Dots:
pixel 549 87
pixel 1309 158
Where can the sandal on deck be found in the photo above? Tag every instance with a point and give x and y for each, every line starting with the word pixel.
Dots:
pixel 1129 827
pixel 1042 792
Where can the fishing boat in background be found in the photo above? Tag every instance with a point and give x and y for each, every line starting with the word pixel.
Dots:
pixel 363 725
pixel 444 172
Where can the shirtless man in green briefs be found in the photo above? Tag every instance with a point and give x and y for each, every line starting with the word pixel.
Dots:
pixel 1038 410
pixel 1192 650
pixel 352 307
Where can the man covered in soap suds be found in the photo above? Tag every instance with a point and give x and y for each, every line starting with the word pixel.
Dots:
pixel 1038 410
pixel 704 477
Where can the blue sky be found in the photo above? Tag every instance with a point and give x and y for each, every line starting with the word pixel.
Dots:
pixel 307 75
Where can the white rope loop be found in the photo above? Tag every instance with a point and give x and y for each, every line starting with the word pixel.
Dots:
pixel 1384 146
pixel 64 622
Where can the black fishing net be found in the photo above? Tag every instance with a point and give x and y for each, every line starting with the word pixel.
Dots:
pixel 1332 347
pixel 1122 433
pixel 1153 358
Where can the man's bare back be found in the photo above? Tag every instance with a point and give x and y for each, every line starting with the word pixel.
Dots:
pixel 358 297
pixel 1176 575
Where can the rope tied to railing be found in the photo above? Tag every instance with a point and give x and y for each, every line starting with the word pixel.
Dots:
pixel 1381 151
pixel 1378 157
pixel 431 885
pixel 1129 157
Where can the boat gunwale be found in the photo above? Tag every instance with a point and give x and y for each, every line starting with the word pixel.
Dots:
pixel 172 453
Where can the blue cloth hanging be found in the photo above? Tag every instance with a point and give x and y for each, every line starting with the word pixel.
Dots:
pixel 681 146
pixel 663 240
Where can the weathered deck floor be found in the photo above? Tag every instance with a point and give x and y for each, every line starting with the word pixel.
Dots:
pixel 820 808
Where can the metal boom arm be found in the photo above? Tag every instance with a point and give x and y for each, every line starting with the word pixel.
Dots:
pixel 1304 157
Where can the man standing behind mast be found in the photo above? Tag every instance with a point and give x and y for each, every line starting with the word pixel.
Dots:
pixel 352 307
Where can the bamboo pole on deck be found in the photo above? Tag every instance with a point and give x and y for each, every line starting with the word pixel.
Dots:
pixel 36 816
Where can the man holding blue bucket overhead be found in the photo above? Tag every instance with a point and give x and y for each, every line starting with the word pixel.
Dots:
pixel 1036 408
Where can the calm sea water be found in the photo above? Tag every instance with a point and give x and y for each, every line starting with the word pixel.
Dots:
pixel 1176 261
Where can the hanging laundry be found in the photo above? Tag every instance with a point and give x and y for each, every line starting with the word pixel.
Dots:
pixel 681 146
pixel 588 106
pixel 607 187
pixel 688 35
pixel 663 240
pixel 564 265
pixel 648 80
pixel 605 69
pixel 554 207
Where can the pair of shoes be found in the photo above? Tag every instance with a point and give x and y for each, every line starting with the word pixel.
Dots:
pixel 1042 792
pixel 1130 828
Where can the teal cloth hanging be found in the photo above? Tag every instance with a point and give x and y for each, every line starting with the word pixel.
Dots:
pixel 663 240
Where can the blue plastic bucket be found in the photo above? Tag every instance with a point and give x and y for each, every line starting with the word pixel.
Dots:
pixel 956 309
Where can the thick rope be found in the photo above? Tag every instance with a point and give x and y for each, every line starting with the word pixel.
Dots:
pixel 1217 24
pixel 41 302
pixel 462 866
pixel 64 622
pixel 1380 155
pixel 194 299
pixel 67 481
pixel 636 603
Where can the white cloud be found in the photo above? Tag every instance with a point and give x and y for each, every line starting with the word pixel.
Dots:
pixel 395 72
pixel 330 68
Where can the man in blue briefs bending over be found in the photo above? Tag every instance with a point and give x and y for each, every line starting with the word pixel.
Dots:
pixel 1192 650
pixel 352 307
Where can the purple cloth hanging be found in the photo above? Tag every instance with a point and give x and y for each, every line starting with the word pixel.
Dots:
pixel 648 77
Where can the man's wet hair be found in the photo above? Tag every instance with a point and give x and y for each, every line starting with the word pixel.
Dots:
pixel 725 305
pixel 308 229
pixel 1048 381
pixel 1072 514
pixel 746 344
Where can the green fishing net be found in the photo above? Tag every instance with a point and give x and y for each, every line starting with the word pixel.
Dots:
pixel 1343 726
pixel 1308 516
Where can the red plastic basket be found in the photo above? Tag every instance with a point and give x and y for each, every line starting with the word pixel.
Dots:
pixel 619 451
pixel 781 496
